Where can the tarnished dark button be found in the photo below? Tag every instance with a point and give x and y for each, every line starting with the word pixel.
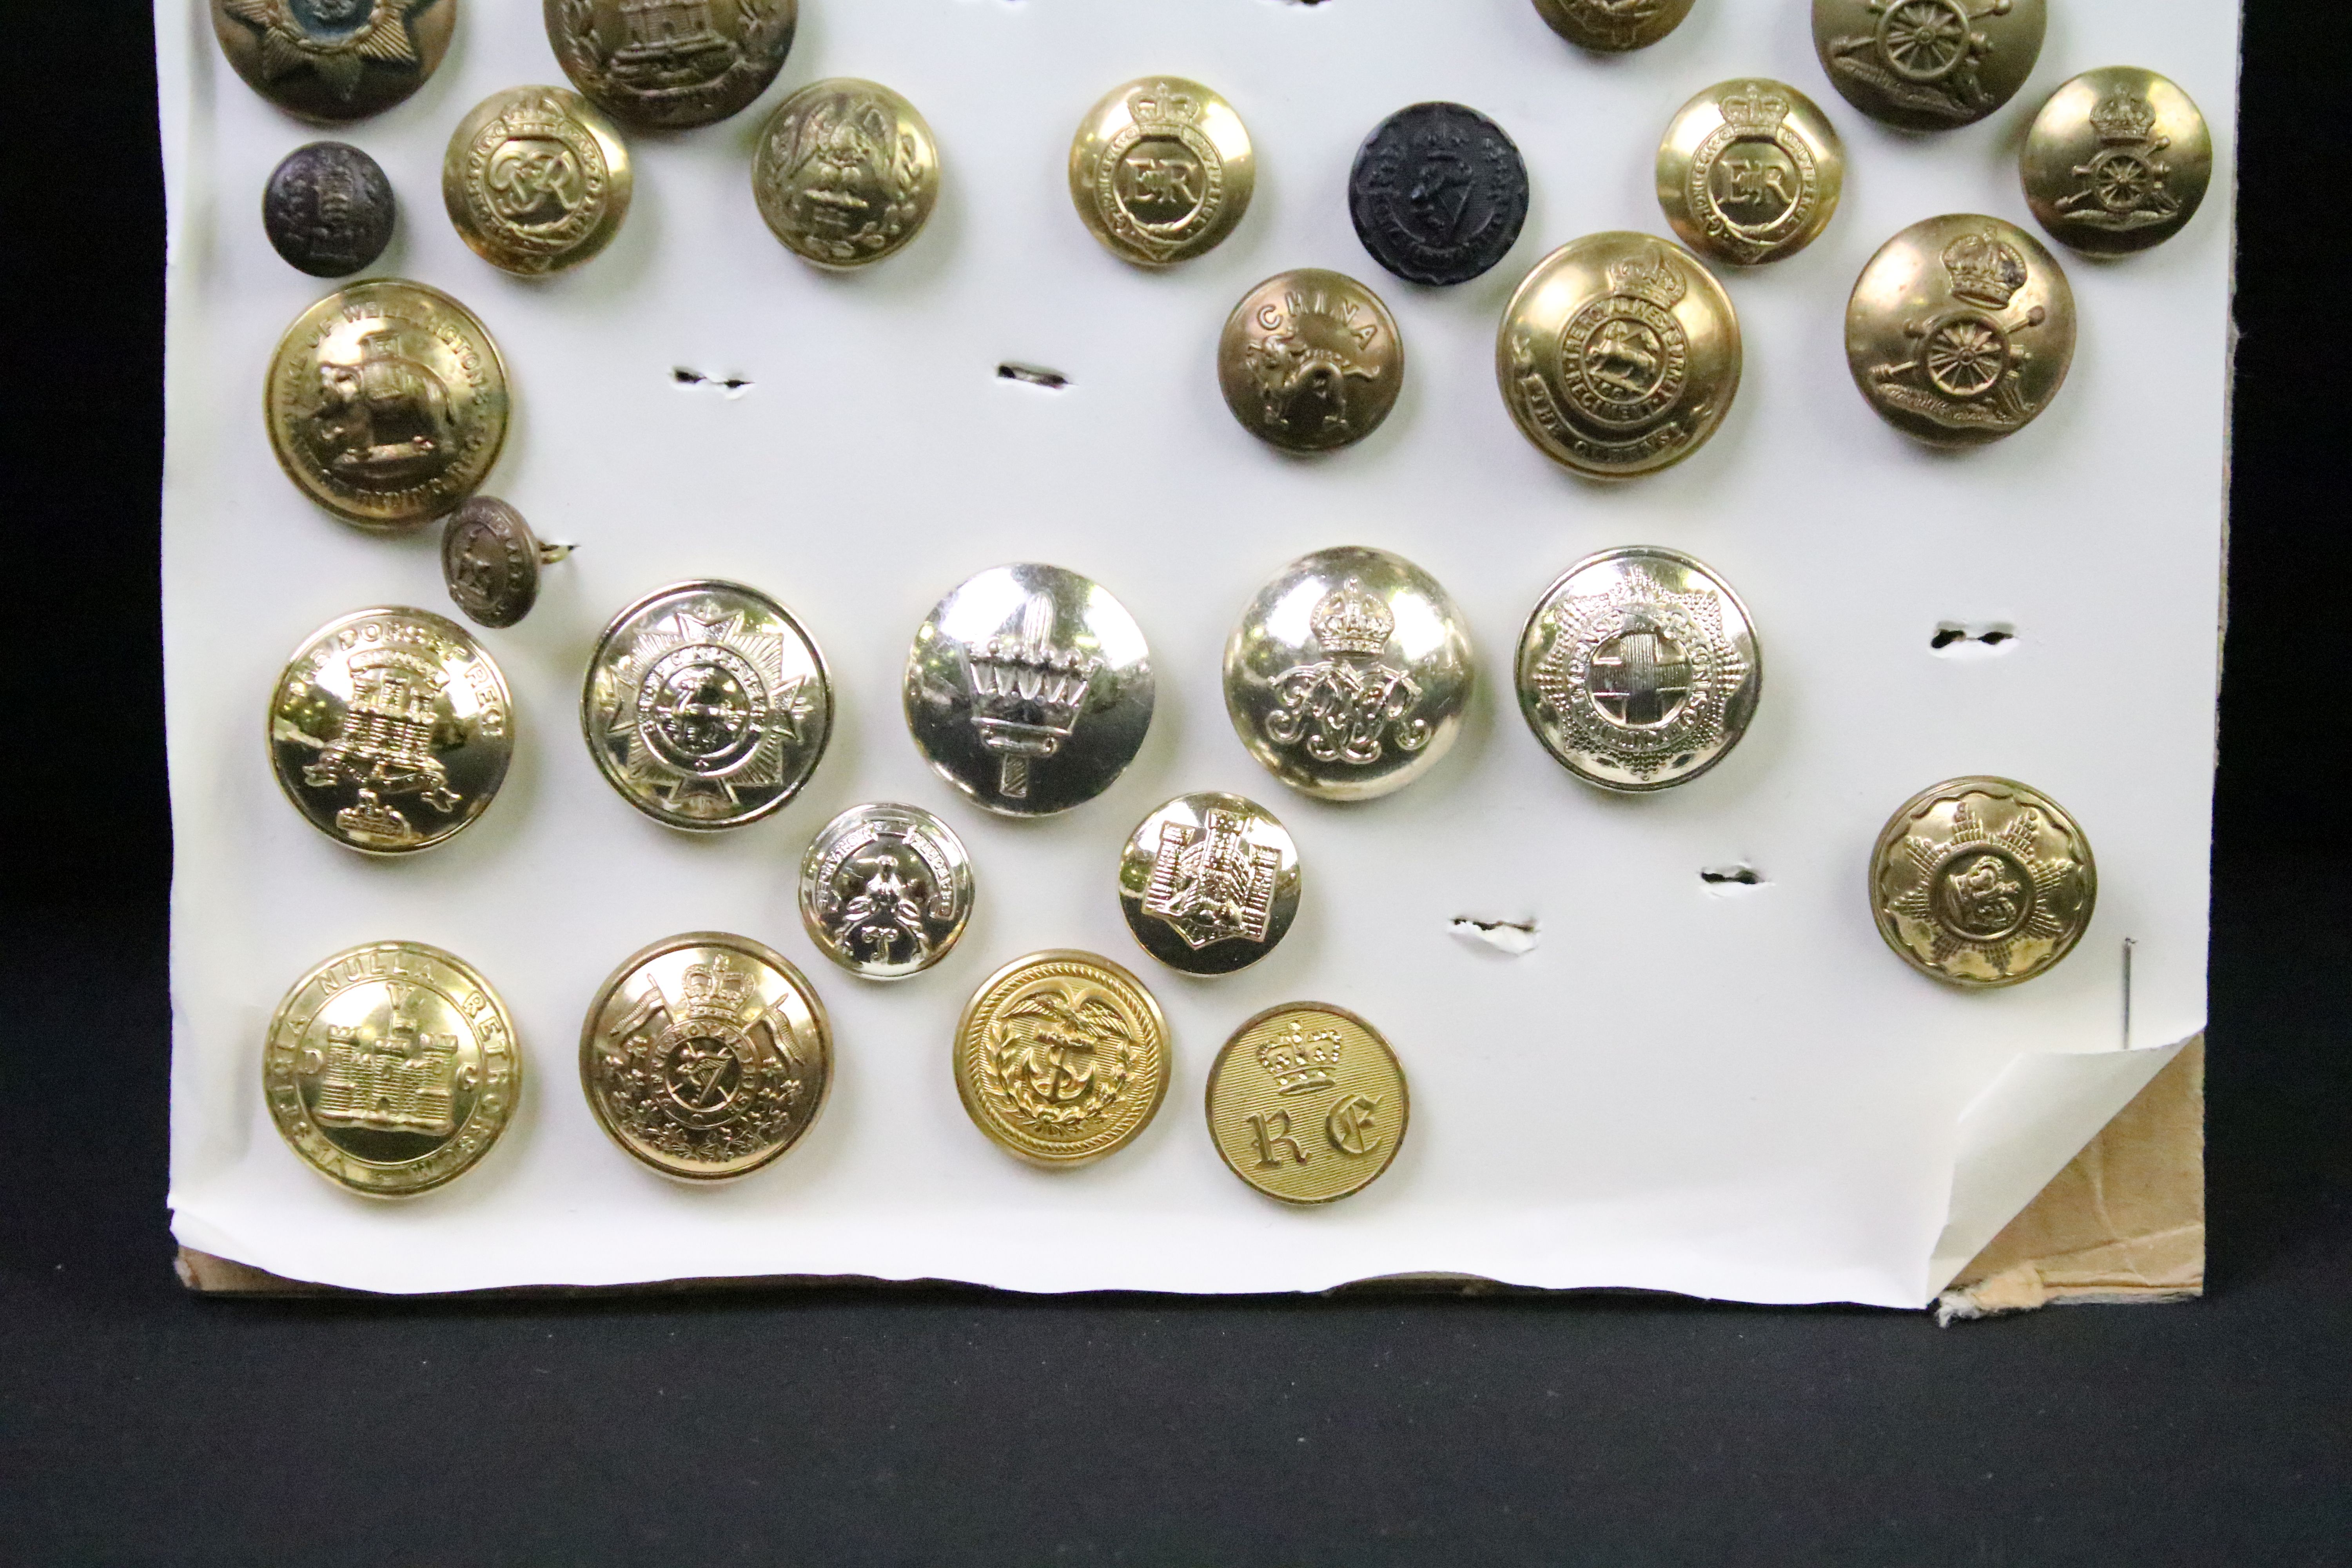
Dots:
pixel 1438 194
pixel 1928 65
pixel 328 209
pixel 490 561
pixel 334 60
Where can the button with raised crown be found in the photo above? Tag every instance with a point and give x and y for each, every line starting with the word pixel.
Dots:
pixel 671 65
pixel 1209 883
pixel 1983 882
pixel 1162 171
pixel 1749 170
pixel 334 60
pixel 846 173
pixel 1311 361
pixel 536 180
pixel 1612 27
pixel 1928 65
pixel 1306 1103
pixel 2117 161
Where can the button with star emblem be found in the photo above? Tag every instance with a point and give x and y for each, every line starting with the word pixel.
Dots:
pixel 1928 65
pixel 391 1067
pixel 846 173
pixel 536 180
pixel 1209 883
pixel 1612 27
pixel 328 209
pixel 1961 330
pixel 1749 170
pixel 1311 361
pixel 1349 674
pixel 1162 171
pixel 1639 669
pixel 1308 1103
pixel 490 561
pixel 1618 356
pixel 886 891
pixel 391 729
pixel 706 1055
pixel 334 60
pixel 1983 882
pixel 2116 161
pixel 670 64
pixel 707 705
pixel 1029 688
pixel 1438 194
pixel 1061 1059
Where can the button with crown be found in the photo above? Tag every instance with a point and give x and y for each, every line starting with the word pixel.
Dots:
pixel 536 180
pixel 1612 27
pixel 1928 65
pixel 1209 883
pixel 1162 171
pixel 2117 161
pixel 1749 170
pixel 1306 1103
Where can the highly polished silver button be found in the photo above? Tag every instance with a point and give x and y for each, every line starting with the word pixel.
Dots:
pixel 1209 883
pixel 886 891
pixel 1639 669
pixel 1029 687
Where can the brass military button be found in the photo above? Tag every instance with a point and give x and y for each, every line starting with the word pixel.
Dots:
pixel 846 172
pixel 1928 65
pixel 1029 688
pixel 490 561
pixel 1161 169
pixel 1961 330
pixel 1306 1103
pixel 1983 882
pixel 1349 674
pixel 334 60
pixel 1639 669
pixel 328 209
pixel 1311 361
pixel 1612 27
pixel 671 65
pixel 886 891
pixel 536 179
pixel 1209 883
pixel 1062 1057
pixel 1618 356
pixel 387 404
pixel 2117 161
pixel 391 729
pixel 706 1055
pixel 707 705
pixel 392 1068
pixel 1749 170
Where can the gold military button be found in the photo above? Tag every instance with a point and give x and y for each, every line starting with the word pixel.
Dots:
pixel 392 1068
pixel 1612 27
pixel 1618 356
pixel 1961 330
pixel 387 404
pixel 706 1055
pixel 2117 161
pixel 1308 1103
pixel 846 172
pixel 1928 65
pixel 1209 883
pixel 1311 361
pixel 1983 882
pixel 391 729
pixel 536 179
pixel 1751 171
pixel 671 65
pixel 1161 169
pixel 344 60
pixel 1062 1057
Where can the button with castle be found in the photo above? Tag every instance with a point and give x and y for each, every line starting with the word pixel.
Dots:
pixel 671 65
pixel 2117 161
pixel 329 209
pixel 1209 883
pixel 1983 882
pixel 1162 171
pixel 1928 65
pixel 1306 1103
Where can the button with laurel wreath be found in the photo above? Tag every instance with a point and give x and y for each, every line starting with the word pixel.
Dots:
pixel 1062 1057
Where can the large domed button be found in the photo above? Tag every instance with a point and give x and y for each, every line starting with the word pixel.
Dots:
pixel 2117 161
pixel 1928 65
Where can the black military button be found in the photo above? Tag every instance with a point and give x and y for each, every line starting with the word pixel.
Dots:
pixel 1438 193
pixel 328 209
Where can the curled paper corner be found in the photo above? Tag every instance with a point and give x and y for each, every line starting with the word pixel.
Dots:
pixel 1517 937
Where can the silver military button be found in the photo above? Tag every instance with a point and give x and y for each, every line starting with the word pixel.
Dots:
pixel 1639 669
pixel 1928 65
pixel 1029 687
pixel 2117 161
pixel 490 561
pixel 707 705
pixel 1209 883
pixel 1349 674
pixel 886 891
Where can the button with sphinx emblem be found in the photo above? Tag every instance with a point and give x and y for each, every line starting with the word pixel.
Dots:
pixel 886 891
pixel 391 729
pixel 2117 161
pixel 1162 171
pixel 707 705
pixel 490 561
pixel 387 404
pixel 1612 27
pixel 391 1067
pixel 1639 669
pixel 671 65
pixel 1749 170
pixel 1308 1103
pixel 1311 361
pixel 536 180
pixel 1029 687
pixel 706 1055
pixel 1349 674
pixel 1438 194
pixel 1961 330
pixel 1928 65
pixel 328 209
pixel 1983 882
pixel 846 172
pixel 1062 1057
pixel 1209 883
pixel 1618 356
pixel 334 60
